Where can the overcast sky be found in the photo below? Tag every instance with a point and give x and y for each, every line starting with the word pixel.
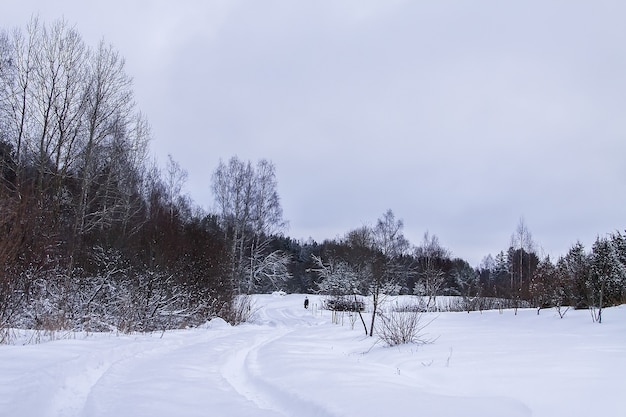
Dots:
pixel 462 117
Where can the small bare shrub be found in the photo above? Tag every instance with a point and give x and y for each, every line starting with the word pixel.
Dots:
pixel 397 328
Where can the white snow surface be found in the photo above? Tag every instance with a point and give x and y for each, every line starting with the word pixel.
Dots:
pixel 295 362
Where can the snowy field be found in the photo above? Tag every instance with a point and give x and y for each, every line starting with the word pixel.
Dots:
pixel 296 362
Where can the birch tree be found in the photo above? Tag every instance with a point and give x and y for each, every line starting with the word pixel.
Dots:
pixel 249 208
pixel 108 118
pixel 431 276
pixel 56 91
pixel 175 177
pixel 522 254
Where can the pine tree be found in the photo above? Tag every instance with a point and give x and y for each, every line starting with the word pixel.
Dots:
pixel 606 278
pixel 577 272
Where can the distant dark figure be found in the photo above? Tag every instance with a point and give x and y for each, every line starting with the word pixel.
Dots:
pixel 306 302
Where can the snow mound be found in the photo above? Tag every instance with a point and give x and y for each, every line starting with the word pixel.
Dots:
pixel 217 323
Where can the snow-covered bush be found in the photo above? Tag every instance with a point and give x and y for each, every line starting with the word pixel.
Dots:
pixel 344 303
pixel 115 299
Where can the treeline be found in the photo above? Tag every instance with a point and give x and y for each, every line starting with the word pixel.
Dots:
pixel 94 236
pixel 378 260
pixel 581 278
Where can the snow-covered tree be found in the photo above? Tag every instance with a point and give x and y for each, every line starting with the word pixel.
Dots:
pixel 619 243
pixel 467 280
pixel 501 273
pixel 606 278
pixel 576 273
pixel 267 271
pixel 338 278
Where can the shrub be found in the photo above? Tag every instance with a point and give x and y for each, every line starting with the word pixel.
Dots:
pixel 397 328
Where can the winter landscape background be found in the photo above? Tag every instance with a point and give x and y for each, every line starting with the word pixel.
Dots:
pixel 122 295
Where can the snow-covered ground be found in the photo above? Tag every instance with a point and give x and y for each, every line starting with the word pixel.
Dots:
pixel 296 362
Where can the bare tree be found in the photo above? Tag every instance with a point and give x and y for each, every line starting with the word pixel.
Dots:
pixel 232 190
pixel 134 175
pixel 67 103
pixel 17 80
pixel 108 118
pixel 389 245
pixel 250 212
pixel 6 80
pixel 267 214
pixel 57 86
pixel 5 57
pixel 431 276
pixel 522 243
pixel 175 177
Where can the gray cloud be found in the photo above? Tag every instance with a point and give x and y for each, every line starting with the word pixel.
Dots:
pixel 461 117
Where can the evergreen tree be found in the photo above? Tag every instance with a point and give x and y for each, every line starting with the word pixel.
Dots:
pixel 607 276
pixel 576 270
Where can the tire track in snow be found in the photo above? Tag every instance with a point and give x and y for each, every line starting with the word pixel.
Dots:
pixel 70 398
pixel 179 378
pixel 108 379
pixel 242 371
pixel 236 371
pixel 62 388
pixel 172 378
pixel 78 388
